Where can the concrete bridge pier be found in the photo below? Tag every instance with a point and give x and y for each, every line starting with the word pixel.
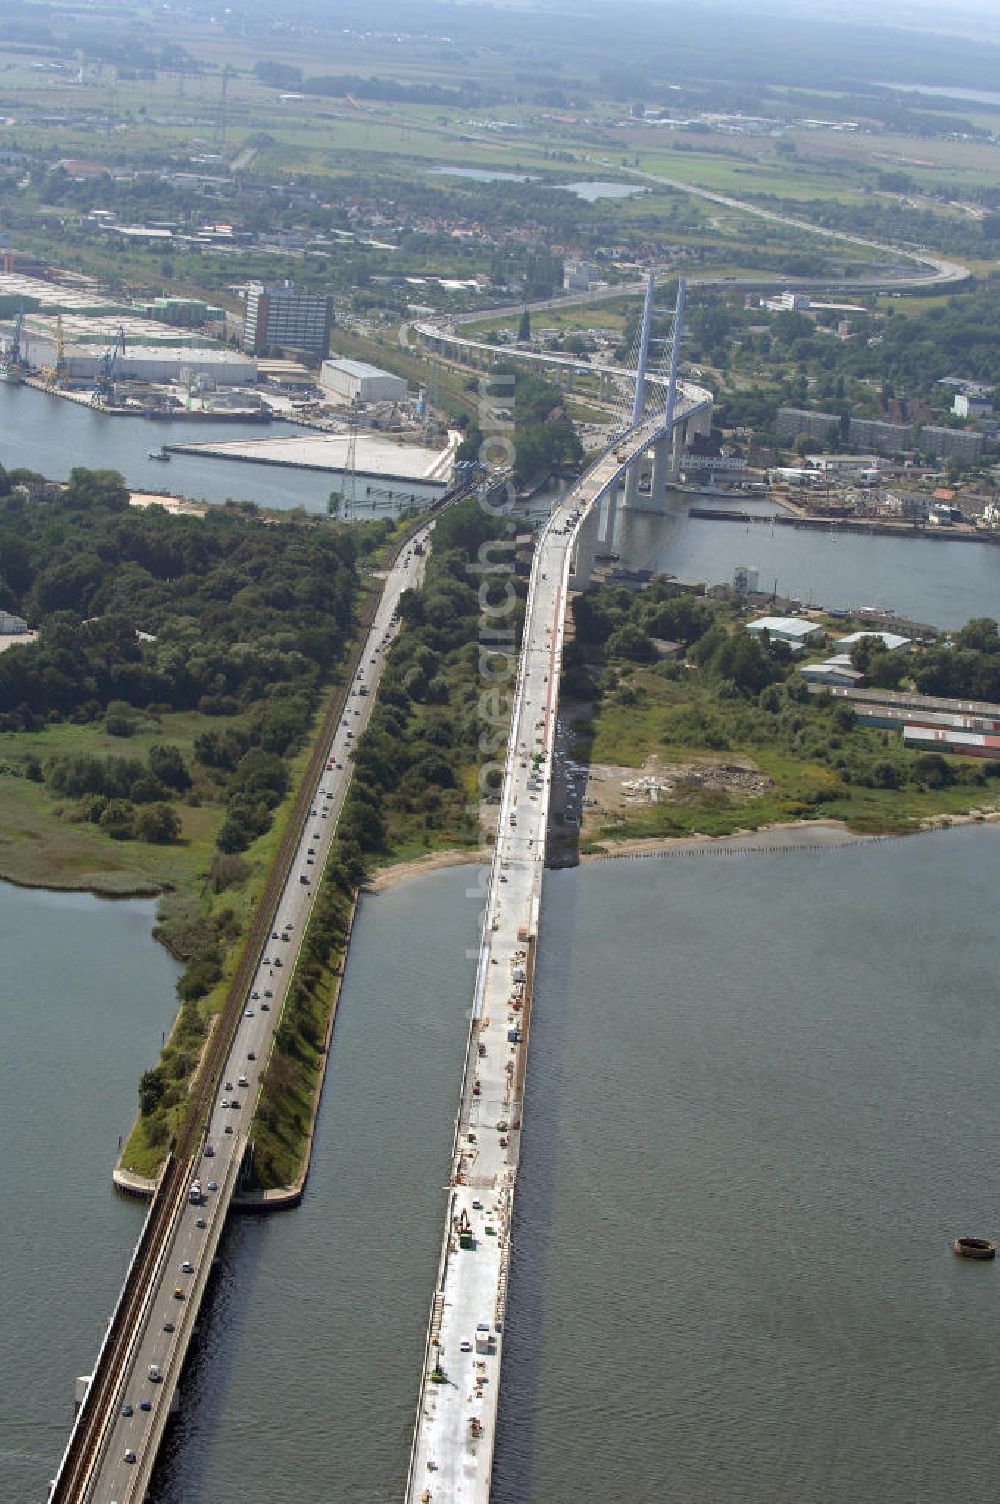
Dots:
pixel 664 471
pixel 610 512
pixel 631 497
pixel 581 567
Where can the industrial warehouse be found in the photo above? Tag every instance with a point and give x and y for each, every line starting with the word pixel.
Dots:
pixel 178 357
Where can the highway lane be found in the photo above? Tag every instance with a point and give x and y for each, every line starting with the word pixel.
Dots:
pixel 133 1432
pixel 452 1456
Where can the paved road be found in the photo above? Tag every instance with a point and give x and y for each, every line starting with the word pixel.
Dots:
pixel 935 271
pixel 172 1304
pixel 452 1456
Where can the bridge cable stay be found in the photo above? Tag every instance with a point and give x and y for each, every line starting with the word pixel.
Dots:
pixel 639 401
pixel 675 353
pixel 625 404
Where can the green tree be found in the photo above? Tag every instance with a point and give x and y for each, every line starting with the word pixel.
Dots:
pixel 166 763
pixel 159 825
pixel 151 1089
pixel 118 819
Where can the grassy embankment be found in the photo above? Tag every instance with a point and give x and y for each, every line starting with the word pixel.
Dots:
pixel 309 996
pixel 178 1062
pixel 731 703
pixel 45 843
pixel 414 779
pixel 626 735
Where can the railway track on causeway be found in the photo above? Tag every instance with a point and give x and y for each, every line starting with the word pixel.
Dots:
pixel 98 1411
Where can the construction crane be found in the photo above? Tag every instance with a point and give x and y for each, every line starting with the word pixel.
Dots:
pixel 349 472
pixel 105 389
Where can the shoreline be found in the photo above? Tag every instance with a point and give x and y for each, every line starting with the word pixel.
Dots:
pixel 795 835
pixel 113 895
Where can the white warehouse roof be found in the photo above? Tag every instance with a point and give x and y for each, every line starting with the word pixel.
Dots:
pixel 890 640
pixel 359 368
pixel 792 628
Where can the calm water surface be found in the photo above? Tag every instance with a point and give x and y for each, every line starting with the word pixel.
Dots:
pixel 761 1104
pixel 756 1120
pixel 592 192
pixel 943 584
pixel 52 434
pixel 314 1338
pixel 84 997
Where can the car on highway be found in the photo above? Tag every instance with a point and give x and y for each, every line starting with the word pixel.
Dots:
pixel 145 1404
pixel 127 1411
pixel 304 880
pixel 200 1222
pixel 265 1007
pixel 248 1013
pixel 186 1266
pixel 129 1455
pixel 229 1127
pixel 268 992
pixel 236 1102
pixel 178 1292
pixel 213 1185
pixel 168 1326
pixel 254 996
pixel 243 1081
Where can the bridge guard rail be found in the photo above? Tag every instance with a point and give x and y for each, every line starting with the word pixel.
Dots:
pixel 92 1412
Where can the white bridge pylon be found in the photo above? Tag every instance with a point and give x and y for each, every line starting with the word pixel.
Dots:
pixel 647 475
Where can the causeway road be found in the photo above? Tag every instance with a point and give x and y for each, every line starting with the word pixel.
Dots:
pixel 127 1436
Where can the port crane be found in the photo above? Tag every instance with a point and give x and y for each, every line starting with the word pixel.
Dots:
pixel 105 388
pixel 56 372
pixel 12 365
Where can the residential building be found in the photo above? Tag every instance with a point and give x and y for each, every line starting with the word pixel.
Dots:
pixel 879 437
pixel 946 443
pixel 579 276
pixel 969 405
pixel 792 421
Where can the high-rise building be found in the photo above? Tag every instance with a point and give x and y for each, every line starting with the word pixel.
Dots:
pixel 279 315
